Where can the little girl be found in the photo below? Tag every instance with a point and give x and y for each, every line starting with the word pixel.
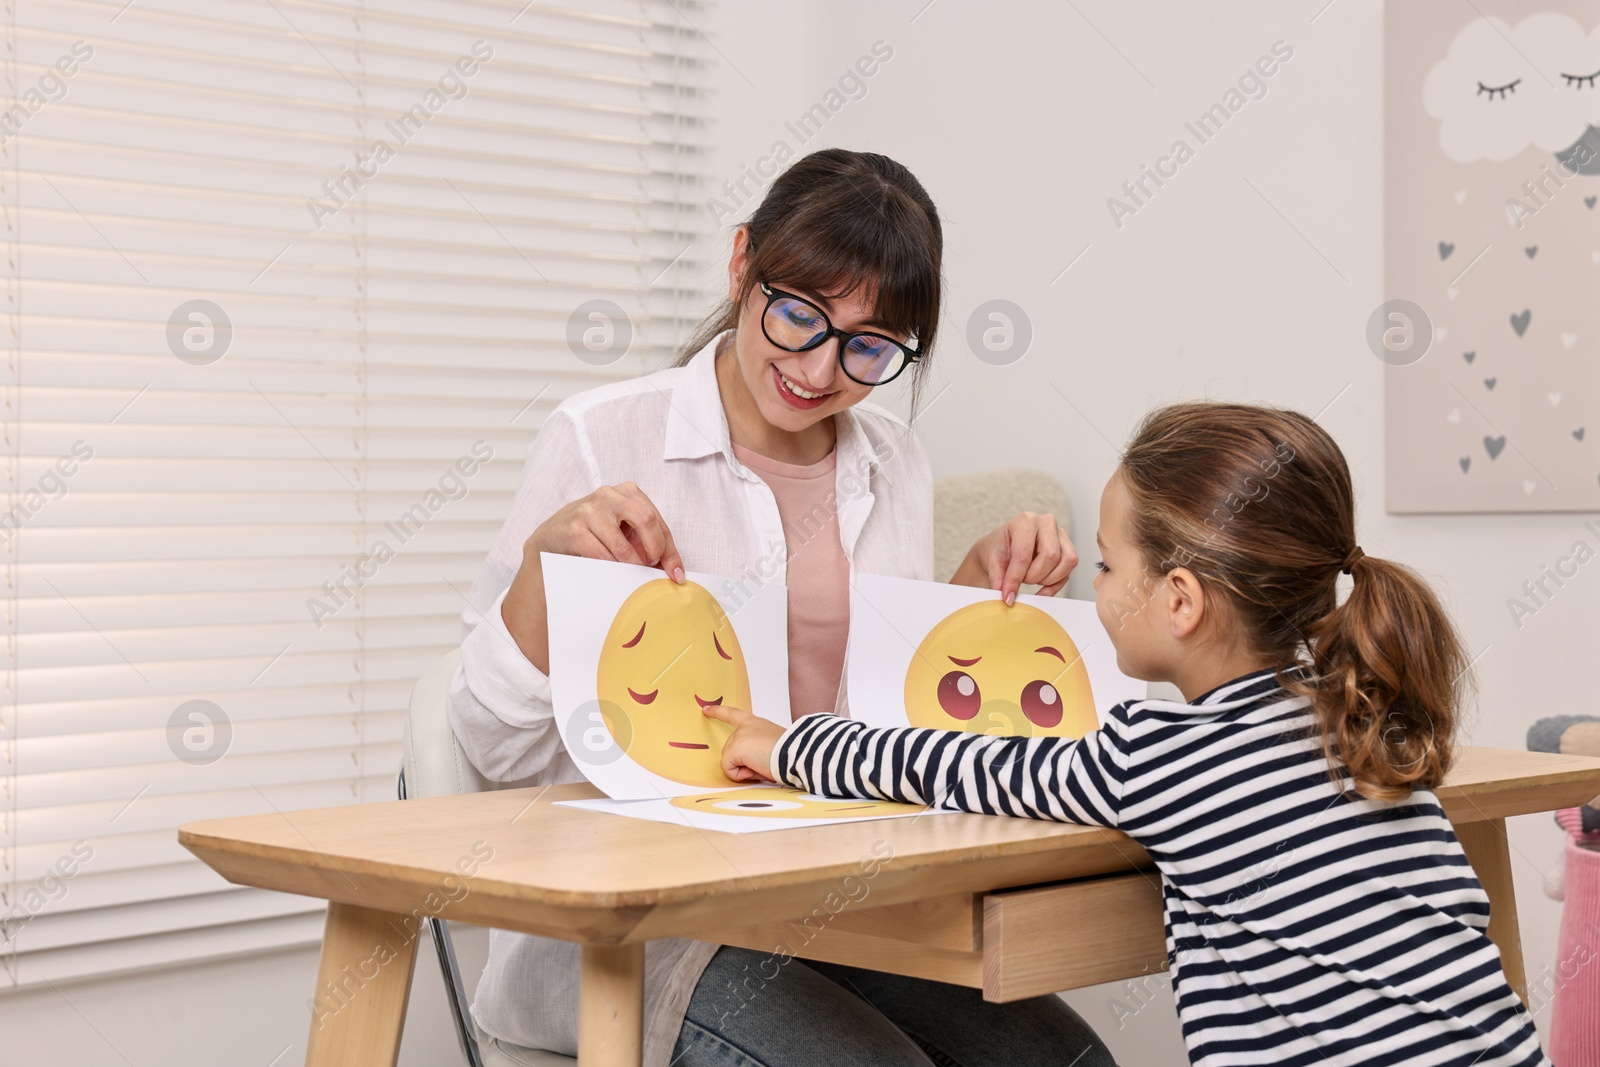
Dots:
pixel 1319 909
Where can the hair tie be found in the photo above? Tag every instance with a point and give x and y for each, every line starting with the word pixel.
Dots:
pixel 1350 561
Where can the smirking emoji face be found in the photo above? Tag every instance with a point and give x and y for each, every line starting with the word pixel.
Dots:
pixel 783 802
pixel 670 652
pixel 989 668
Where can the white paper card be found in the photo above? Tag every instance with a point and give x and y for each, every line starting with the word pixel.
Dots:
pixel 752 809
pixel 958 658
pixel 634 656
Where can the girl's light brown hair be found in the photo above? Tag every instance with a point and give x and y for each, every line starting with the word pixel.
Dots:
pixel 837 221
pixel 1257 503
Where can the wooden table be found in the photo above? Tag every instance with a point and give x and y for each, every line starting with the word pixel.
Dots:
pixel 935 897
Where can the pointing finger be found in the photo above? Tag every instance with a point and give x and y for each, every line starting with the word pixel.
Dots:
pixel 731 716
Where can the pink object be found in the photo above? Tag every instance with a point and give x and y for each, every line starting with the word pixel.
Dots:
pixel 1575 1015
pixel 1571 820
pixel 818 577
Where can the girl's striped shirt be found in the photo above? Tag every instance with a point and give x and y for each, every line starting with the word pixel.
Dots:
pixel 1305 925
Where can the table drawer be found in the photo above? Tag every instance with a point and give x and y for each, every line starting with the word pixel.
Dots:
pixel 1072 934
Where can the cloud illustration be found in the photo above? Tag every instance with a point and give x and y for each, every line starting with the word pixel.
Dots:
pixel 1502 88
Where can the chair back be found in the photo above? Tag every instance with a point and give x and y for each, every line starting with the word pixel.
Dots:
pixel 435 765
pixel 969 506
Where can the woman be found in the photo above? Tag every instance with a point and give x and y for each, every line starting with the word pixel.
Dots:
pixel 754 457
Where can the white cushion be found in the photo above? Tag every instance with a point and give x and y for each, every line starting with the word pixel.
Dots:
pixel 497 1053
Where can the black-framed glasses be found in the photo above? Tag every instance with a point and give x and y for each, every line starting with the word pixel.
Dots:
pixel 797 325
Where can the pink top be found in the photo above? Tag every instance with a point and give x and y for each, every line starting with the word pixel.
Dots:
pixel 818 577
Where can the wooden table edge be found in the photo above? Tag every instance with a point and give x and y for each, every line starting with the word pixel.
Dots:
pixel 1129 856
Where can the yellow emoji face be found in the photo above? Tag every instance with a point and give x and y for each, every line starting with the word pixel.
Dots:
pixel 992 669
pixel 782 802
pixel 670 652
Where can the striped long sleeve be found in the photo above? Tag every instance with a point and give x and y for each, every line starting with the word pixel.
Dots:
pixel 1307 926
pixel 1055 778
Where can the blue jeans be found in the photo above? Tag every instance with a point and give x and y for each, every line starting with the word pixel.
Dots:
pixel 811 1014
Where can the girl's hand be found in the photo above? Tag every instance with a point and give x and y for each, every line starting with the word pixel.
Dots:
pixel 747 756
pixel 1031 549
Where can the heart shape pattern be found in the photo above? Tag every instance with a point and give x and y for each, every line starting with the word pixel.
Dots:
pixel 1455 415
pixel 1445 248
pixel 1578 433
pixel 1588 202
pixel 1554 398
pixel 1568 340
pixel 1532 250
pixel 1470 356
pixel 1461 197
pixel 1489 383
pixel 1519 321
pixel 1466 464
pixel 1527 487
pixel 1494 446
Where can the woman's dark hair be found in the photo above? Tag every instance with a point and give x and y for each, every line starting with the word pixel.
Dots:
pixel 839 221
pixel 1257 503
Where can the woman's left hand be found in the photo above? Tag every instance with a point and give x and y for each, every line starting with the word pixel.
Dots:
pixel 747 755
pixel 1031 549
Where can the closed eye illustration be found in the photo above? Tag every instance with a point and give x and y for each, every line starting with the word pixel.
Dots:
pixel 992 669
pixel 671 651
pixel 1498 92
pixel 1498 89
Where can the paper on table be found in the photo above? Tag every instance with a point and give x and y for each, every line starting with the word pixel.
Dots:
pixel 752 809
pixel 958 658
pixel 634 656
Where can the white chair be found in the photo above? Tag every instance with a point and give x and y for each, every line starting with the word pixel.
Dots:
pixel 436 766
pixel 965 508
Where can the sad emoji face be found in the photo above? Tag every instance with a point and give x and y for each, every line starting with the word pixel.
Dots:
pixel 992 669
pixel 670 652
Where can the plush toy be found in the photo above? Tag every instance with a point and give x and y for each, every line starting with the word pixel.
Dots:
pixel 1574 985
pixel 1577 735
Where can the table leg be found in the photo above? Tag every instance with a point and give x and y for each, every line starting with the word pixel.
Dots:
pixel 611 1006
pixel 363 984
pixel 1489 852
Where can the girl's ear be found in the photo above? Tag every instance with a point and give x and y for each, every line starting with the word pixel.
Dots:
pixel 737 263
pixel 1186 604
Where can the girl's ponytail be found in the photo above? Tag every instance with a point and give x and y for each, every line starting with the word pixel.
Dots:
pixel 1387 675
pixel 1256 502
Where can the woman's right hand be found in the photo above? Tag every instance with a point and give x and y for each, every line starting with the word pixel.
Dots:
pixel 615 522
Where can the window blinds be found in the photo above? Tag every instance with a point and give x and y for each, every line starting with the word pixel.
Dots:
pixel 288 288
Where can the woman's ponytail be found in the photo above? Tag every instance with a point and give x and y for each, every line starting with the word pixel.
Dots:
pixel 1388 674
pixel 1257 503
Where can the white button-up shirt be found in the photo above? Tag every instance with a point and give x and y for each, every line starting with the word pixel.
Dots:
pixel 668 433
